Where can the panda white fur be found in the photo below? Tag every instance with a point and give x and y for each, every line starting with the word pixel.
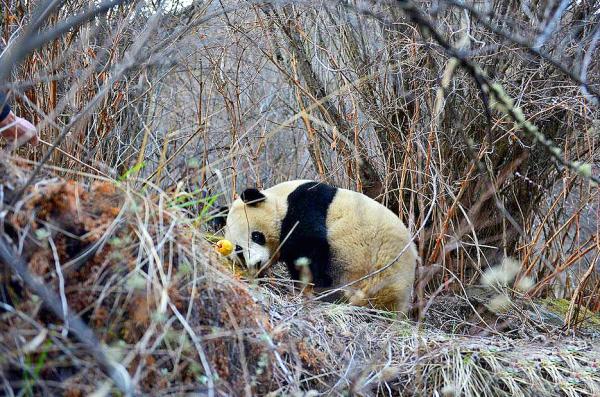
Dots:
pixel 345 236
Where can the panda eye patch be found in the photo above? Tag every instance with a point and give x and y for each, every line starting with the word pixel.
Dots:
pixel 258 238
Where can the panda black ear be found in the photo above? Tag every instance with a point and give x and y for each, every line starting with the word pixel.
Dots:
pixel 252 196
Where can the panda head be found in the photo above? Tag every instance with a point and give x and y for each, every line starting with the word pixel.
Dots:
pixel 253 225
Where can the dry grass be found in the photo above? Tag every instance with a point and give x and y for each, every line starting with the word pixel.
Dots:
pixel 158 297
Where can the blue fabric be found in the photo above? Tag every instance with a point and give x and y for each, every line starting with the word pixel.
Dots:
pixel 4 107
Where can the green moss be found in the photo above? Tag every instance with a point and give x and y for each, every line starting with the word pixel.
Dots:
pixel 557 306
pixel 560 307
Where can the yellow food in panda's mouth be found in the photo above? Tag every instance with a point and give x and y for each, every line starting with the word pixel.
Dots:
pixel 224 247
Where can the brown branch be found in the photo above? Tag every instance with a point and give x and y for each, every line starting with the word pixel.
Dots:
pixel 488 88
pixel 371 182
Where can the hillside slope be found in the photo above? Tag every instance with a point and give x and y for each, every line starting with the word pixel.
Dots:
pixel 139 272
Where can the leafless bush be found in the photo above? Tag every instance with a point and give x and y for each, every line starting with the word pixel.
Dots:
pixel 412 118
pixel 477 123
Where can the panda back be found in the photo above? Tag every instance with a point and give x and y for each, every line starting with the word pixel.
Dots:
pixel 304 231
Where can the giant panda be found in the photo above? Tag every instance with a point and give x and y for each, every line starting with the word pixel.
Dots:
pixel 341 236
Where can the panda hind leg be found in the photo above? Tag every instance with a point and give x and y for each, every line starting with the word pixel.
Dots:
pixel 383 293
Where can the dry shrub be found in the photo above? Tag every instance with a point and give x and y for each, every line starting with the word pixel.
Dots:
pixel 346 93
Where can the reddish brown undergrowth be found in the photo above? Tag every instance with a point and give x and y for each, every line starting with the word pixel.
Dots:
pixel 147 284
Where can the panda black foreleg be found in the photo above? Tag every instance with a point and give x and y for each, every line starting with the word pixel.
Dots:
pixel 308 259
pixel 306 269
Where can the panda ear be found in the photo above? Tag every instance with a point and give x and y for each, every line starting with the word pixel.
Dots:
pixel 252 196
